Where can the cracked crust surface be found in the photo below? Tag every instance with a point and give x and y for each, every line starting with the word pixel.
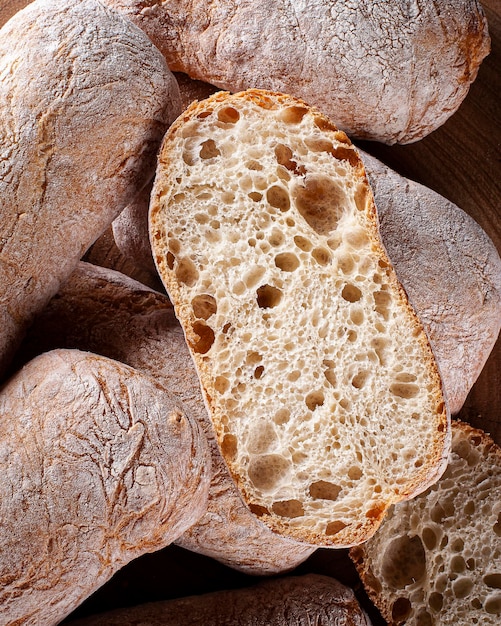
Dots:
pixel 99 465
pixel 390 71
pixel 85 99
pixel 264 232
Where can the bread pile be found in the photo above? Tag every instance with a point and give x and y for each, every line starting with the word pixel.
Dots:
pixel 253 362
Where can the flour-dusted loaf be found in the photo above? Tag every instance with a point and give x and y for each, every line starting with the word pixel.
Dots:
pixel 103 311
pixel 450 269
pixel 85 98
pixel 99 465
pixel 391 71
pixel 436 560
pixel 309 599
pixel 318 377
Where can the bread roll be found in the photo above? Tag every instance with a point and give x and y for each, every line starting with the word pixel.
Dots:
pixel 318 377
pixel 85 99
pixel 102 311
pixel 310 599
pixel 99 465
pixel 437 559
pixel 389 71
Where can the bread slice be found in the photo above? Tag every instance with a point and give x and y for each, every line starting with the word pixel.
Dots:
pixel 308 599
pixel 436 560
pixel 321 385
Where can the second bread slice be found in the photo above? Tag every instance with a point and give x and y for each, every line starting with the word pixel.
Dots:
pixel 319 379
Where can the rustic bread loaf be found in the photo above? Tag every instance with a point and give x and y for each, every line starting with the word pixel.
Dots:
pixel 85 98
pixel 309 599
pixel 451 272
pixel 437 559
pixel 316 372
pixel 102 311
pixel 390 71
pixel 99 465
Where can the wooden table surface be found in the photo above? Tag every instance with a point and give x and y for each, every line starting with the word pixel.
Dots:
pixel 462 161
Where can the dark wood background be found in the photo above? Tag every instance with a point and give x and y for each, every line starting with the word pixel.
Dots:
pixel 462 161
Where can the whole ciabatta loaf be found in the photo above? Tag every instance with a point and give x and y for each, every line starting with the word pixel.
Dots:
pixel 85 98
pixel 318 377
pixel 309 599
pixel 451 272
pixel 391 71
pixel 102 311
pixel 99 465
pixel 437 559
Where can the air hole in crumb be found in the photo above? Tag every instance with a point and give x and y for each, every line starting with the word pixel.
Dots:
pixel 205 339
pixel 324 123
pixel 404 562
pixel 302 243
pixel 258 372
pixel 355 473
pixel 317 144
pixel 254 166
pixel 401 609
pixel 288 508
pixel 357 315
pixel 284 158
pixel 209 150
pixel 462 587
pixel 170 260
pixel 324 490
pixel 287 262
pixel 314 399
pixel 258 510
pixel 333 528
pixel 278 197
pixel 266 471
pixel 458 564
pixel 320 201
pixel 221 384
pixel 186 272
pixel 358 381
pixel 204 306
pixel 330 375
pixel 321 255
pixel 345 153
pixel 493 604
pixel 436 601
pixel 281 417
pixel 383 301
pixel 268 296
pixel 229 447
pixel 362 197
pixel 350 293
pixel 293 114
pixel 253 276
pixel 255 196
pixel 404 390
pixel 228 115
pixel 493 580
pixel 429 537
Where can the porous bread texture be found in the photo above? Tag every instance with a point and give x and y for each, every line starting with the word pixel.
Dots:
pixel 99 465
pixel 317 374
pixel 85 98
pixel 436 560
pixel 450 269
pixel 387 71
pixel 309 599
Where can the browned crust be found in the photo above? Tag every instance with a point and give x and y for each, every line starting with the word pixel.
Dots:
pixel 435 466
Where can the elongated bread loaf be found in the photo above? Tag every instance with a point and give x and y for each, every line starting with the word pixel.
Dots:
pixel 437 559
pixel 102 311
pixel 390 71
pixel 451 272
pixel 318 377
pixel 99 465
pixel 309 599
pixel 85 98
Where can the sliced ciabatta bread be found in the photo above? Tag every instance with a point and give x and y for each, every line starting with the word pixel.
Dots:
pixel 309 599
pixel 436 560
pixel 321 385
